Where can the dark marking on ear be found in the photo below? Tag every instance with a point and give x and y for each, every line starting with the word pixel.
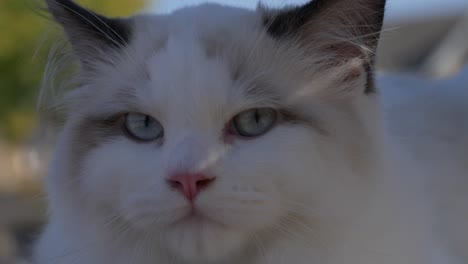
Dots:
pixel 89 32
pixel 345 29
pixel 289 20
pixel 365 15
pixel 74 17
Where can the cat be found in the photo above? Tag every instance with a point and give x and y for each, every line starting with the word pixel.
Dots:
pixel 224 135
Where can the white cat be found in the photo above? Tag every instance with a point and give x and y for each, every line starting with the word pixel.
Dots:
pixel 228 136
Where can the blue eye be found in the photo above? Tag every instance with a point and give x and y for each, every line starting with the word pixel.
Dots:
pixel 254 122
pixel 143 127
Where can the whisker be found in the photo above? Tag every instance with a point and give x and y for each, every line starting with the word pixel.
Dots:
pixel 261 248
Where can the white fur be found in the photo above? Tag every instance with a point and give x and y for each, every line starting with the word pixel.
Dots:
pixel 292 195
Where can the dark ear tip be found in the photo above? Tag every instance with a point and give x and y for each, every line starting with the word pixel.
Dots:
pixel 287 21
pixel 56 4
pixel 61 8
pixel 88 31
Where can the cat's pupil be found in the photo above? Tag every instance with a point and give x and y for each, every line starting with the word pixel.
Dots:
pixel 257 117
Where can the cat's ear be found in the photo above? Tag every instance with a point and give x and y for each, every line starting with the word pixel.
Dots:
pixel 91 35
pixel 344 29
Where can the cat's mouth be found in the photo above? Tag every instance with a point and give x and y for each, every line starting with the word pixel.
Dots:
pixel 195 217
pixel 198 237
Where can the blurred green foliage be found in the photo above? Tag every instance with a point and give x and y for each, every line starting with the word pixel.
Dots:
pixel 22 58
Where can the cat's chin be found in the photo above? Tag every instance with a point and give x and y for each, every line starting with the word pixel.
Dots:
pixel 202 239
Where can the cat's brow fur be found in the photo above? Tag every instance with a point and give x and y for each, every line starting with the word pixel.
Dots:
pixel 323 186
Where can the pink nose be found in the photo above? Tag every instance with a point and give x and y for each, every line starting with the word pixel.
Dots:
pixel 190 184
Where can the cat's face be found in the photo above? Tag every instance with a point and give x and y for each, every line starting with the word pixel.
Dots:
pixel 210 127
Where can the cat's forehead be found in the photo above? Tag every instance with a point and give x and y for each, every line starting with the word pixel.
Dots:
pixel 182 77
pixel 199 51
pixel 203 25
pixel 212 18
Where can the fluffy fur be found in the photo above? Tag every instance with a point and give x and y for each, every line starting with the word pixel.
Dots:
pixel 323 186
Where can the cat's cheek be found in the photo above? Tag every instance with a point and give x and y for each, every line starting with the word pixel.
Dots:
pixel 95 183
pixel 152 212
pixel 241 204
pixel 115 170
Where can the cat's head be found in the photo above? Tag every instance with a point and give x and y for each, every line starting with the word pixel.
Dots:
pixel 211 126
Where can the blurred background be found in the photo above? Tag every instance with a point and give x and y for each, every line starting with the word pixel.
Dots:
pixel 423 38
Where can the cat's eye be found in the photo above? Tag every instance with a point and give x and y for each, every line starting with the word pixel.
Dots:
pixel 142 127
pixel 254 122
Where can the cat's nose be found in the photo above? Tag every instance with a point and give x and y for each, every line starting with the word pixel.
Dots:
pixel 190 184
